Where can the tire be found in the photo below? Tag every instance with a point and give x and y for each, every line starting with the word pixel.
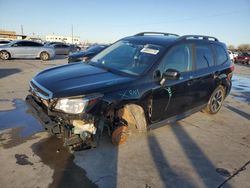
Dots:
pixel 216 100
pixel 4 55
pixel 44 56
pixel 120 135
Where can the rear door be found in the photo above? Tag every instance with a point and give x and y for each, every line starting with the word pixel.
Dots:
pixel 203 81
pixel 65 49
pixel 173 97
pixel 57 48
pixel 33 49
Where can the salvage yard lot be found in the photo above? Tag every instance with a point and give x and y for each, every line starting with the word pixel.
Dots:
pixel 198 151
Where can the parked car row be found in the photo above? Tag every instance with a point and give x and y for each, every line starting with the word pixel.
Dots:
pixel 26 49
pixel 86 54
pixel 239 57
pixel 30 49
pixel 243 57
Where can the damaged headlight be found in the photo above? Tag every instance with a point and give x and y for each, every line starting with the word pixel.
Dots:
pixel 76 105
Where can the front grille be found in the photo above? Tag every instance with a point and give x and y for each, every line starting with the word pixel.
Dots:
pixel 38 90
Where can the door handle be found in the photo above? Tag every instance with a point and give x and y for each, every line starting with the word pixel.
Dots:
pixel 190 82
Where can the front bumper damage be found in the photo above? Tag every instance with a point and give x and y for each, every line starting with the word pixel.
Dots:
pixel 77 132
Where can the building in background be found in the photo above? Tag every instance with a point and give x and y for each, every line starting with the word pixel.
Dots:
pixel 57 38
pixel 10 35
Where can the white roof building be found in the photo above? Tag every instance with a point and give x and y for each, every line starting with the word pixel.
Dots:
pixel 58 38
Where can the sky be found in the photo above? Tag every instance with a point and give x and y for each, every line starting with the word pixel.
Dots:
pixel 109 20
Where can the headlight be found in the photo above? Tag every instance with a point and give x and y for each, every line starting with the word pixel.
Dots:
pixel 76 105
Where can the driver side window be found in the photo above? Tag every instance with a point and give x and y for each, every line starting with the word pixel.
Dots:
pixel 178 58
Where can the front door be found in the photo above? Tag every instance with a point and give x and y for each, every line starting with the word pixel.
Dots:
pixel 174 96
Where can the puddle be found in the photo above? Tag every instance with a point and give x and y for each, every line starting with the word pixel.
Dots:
pixel 241 88
pixel 241 83
pixel 20 118
pixel 56 156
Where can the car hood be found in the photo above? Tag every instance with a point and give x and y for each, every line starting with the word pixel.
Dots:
pixel 78 79
pixel 77 54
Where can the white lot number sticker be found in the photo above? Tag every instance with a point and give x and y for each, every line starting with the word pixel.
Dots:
pixel 149 51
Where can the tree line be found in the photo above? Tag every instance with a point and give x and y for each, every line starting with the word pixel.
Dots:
pixel 241 47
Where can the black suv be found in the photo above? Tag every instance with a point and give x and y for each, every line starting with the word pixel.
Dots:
pixel 143 81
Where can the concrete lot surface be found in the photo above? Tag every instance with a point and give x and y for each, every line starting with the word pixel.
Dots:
pixel 198 151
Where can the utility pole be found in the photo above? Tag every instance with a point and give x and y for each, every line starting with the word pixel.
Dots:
pixel 22 29
pixel 72 33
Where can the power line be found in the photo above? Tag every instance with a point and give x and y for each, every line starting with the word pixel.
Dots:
pixel 188 19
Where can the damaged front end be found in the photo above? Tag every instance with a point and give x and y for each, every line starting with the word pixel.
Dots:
pixel 74 118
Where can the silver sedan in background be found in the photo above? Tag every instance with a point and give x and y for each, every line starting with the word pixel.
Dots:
pixel 64 49
pixel 26 49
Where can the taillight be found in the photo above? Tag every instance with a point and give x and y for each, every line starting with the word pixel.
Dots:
pixel 230 74
pixel 232 67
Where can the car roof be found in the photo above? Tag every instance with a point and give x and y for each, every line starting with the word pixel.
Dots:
pixel 152 39
pixel 167 38
pixel 14 41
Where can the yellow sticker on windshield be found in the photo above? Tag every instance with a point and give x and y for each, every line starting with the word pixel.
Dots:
pixel 149 51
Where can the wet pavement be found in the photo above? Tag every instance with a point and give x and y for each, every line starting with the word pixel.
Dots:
pixel 20 118
pixel 57 157
pixel 241 83
pixel 241 88
pixel 22 127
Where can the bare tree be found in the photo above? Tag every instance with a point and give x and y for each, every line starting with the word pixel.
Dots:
pixel 244 47
pixel 231 47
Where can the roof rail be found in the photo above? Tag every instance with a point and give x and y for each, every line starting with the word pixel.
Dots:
pixel 200 37
pixel 158 33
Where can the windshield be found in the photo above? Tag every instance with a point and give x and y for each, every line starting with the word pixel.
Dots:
pixel 127 57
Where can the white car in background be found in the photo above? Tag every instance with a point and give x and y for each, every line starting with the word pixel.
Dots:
pixel 26 49
pixel 231 55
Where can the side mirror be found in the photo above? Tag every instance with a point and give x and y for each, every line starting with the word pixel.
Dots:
pixel 170 74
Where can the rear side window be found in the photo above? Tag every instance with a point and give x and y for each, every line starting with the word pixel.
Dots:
pixel 178 58
pixel 204 56
pixel 221 55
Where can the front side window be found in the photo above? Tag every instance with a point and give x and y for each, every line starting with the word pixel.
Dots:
pixel 128 57
pixel 204 56
pixel 17 44
pixel 178 58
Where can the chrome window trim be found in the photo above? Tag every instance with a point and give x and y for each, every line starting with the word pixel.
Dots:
pixel 42 88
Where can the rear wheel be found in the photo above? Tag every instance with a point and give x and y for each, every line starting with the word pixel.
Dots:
pixel 216 100
pixel 44 56
pixel 4 55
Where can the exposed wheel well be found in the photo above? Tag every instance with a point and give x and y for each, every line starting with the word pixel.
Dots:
pixel 134 115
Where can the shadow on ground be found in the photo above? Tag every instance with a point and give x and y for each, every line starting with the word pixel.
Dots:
pixel 204 168
pixel 9 72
